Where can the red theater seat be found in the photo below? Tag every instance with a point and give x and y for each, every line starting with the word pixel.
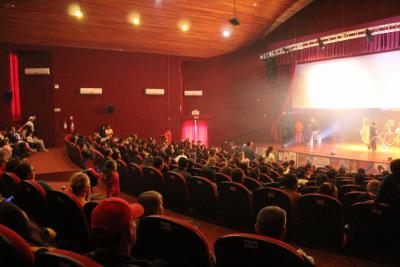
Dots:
pixel 220 177
pixel 265 178
pixel 62 258
pixel 344 189
pixel 9 185
pixel 153 179
pixel 204 196
pixel 32 199
pixel 14 250
pixel 320 221
pixel 176 191
pixel 69 219
pixel 251 184
pixel 236 205
pixel 309 190
pixel 171 239
pixel 135 183
pixel 255 250
pixel 122 169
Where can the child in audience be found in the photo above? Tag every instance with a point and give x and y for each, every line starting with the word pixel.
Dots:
pixel 110 178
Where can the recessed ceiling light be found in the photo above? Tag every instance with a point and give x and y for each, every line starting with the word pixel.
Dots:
pixel 75 11
pixel 136 21
pixel 226 33
pixel 254 4
pixel 184 26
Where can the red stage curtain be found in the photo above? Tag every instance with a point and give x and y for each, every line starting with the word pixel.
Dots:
pixel 198 133
pixel 14 84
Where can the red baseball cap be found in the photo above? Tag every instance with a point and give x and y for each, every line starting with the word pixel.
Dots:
pixel 113 215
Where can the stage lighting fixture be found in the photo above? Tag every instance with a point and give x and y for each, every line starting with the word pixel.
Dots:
pixel 369 36
pixel 320 43
pixel 234 20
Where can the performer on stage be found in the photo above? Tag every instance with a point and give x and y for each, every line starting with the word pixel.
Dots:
pixel 364 132
pixel 397 133
pixel 298 128
pixel 315 136
pixel 373 136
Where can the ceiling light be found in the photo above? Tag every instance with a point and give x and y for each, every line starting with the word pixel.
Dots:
pixel 254 4
pixel 234 20
pixel 226 33
pixel 184 26
pixel 136 21
pixel 75 11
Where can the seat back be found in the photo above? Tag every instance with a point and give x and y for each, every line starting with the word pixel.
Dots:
pixel 122 169
pixel 342 190
pixel 62 258
pixel 320 221
pixel 265 178
pixel 251 184
pixel 203 194
pixel 236 205
pixel 240 249
pixel 176 191
pixel 351 198
pixel 153 179
pixel 268 196
pixel 344 181
pixel 373 228
pixel 88 209
pixel 135 183
pixel 69 219
pixel 196 172
pixel 309 190
pixel 10 185
pixel 220 177
pixel 32 199
pixel 171 239
pixel 14 250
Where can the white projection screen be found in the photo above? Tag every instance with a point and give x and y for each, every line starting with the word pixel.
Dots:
pixel 363 82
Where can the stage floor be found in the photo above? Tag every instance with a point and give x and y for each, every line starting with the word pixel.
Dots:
pixel 355 151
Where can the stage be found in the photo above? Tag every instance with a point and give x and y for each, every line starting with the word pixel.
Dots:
pixel 349 155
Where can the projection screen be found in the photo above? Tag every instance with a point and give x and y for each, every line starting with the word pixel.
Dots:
pixel 363 82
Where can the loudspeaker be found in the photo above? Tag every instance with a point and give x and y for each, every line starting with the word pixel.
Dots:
pixel 8 95
pixel 110 109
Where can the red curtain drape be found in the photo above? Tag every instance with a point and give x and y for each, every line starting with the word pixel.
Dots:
pixel 195 131
pixel 15 104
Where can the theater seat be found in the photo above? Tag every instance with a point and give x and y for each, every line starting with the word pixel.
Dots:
pixel 203 194
pixel 251 184
pixel 344 189
pixel 32 200
pixel 320 221
pixel 240 249
pixel 153 179
pixel 135 183
pixel 62 258
pixel 122 169
pixel 264 178
pixel 69 220
pixel 14 250
pixel 309 190
pixel 9 185
pixel 220 177
pixel 373 229
pixel 174 240
pixel 176 191
pixel 236 205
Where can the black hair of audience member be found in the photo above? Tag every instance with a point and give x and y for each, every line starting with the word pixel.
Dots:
pixel 158 162
pixel 264 169
pixel 116 155
pixel 289 181
pixel 361 170
pixel 227 170
pixel 255 173
pixel 359 179
pixel 12 164
pixel 243 166
pixel 183 163
pixel 395 167
pixel 301 174
pixel 237 175
pixel 328 189
pixel 271 222
pixel 322 178
pixel 16 219
pixel 24 171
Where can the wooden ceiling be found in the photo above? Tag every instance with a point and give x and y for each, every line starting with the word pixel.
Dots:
pixel 105 24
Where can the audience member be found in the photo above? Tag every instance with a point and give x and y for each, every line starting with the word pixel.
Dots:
pixel 25 171
pixel 237 175
pixel 79 185
pixel 152 202
pixel 328 189
pixel 183 164
pixel 389 191
pixel 271 222
pixel 110 178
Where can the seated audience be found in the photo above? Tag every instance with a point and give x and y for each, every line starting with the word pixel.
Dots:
pixel 110 178
pixel 289 184
pixel 389 191
pixel 227 170
pixel 271 222
pixel 12 164
pixel 114 229
pixel 25 171
pixel 79 185
pixel 183 164
pixel 4 156
pixel 328 189
pixel 237 175
pixel 158 163
pixel 152 202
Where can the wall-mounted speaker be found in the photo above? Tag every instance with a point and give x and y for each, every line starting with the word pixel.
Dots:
pixel 8 95
pixel 110 109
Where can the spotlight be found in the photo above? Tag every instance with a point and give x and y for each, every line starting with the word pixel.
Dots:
pixel 369 36
pixel 136 21
pixel 234 20
pixel 320 43
pixel 226 33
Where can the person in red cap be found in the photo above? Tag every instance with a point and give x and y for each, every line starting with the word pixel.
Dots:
pixel 114 228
